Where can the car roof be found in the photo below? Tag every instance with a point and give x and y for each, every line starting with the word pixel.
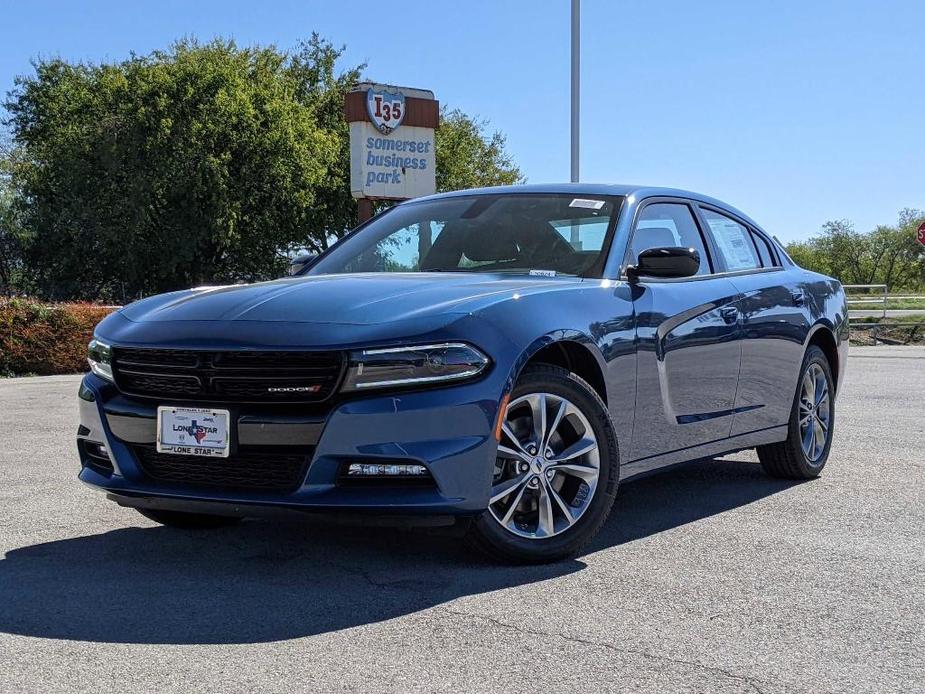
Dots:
pixel 639 192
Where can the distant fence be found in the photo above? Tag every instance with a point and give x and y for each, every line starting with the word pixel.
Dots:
pixel 883 292
pixel 882 332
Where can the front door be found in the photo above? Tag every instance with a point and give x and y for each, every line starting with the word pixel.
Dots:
pixel 688 342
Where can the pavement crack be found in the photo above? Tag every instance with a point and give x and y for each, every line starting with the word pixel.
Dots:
pixel 751 682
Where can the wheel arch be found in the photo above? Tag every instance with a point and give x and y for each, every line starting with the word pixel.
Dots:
pixel 571 350
pixel 822 335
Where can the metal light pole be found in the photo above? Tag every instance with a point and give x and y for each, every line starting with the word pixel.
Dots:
pixel 576 83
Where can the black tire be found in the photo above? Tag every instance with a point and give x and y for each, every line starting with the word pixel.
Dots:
pixel 188 521
pixel 486 535
pixel 787 459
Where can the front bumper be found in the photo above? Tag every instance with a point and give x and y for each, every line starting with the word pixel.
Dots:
pixel 449 430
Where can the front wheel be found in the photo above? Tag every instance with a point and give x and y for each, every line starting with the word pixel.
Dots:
pixel 556 474
pixel 812 424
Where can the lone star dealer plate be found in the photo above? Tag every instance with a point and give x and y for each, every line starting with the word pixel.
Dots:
pixel 193 431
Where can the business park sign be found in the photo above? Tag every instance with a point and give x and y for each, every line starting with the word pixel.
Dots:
pixel 392 153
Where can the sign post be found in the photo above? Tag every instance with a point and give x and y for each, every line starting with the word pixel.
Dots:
pixel 392 155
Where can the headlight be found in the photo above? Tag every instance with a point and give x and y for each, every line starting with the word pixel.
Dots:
pixel 406 366
pixel 99 356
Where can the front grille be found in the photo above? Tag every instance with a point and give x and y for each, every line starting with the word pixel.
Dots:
pixel 250 469
pixel 227 376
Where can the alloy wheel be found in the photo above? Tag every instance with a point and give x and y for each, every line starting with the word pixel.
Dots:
pixel 815 412
pixel 547 468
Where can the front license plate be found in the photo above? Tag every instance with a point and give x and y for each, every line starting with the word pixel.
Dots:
pixel 193 431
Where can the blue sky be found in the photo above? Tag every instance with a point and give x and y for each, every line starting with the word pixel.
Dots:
pixel 796 112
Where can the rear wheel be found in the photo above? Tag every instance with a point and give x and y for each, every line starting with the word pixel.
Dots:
pixel 811 426
pixel 556 473
pixel 188 521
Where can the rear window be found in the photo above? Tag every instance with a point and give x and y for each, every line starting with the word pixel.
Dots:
pixel 764 250
pixel 733 241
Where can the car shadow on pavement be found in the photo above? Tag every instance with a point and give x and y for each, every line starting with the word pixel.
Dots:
pixel 267 581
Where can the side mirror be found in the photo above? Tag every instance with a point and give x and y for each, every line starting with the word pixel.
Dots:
pixel 665 262
pixel 297 264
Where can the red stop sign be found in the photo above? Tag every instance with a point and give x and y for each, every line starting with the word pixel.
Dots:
pixel 921 234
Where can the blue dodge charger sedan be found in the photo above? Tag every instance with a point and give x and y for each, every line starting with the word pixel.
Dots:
pixel 496 360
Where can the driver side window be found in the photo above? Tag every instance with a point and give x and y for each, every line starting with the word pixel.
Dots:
pixel 668 225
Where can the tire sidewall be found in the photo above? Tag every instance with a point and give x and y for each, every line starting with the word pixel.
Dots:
pixel 560 382
pixel 814 355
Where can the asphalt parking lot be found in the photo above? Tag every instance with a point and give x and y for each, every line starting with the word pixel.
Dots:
pixel 707 578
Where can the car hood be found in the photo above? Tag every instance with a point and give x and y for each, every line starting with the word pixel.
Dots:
pixel 360 299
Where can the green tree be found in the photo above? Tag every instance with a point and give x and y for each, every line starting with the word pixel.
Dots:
pixel 908 267
pixel 324 89
pixel 469 157
pixel 10 229
pixel 807 254
pixel 845 251
pixel 197 164
pixel 888 255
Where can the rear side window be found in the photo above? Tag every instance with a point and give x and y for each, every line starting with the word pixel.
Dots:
pixel 733 241
pixel 764 250
pixel 668 225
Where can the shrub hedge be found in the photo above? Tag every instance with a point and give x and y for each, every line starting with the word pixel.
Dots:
pixel 44 339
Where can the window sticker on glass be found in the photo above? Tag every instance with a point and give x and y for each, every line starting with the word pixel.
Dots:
pixel 588 204
pixel 732 239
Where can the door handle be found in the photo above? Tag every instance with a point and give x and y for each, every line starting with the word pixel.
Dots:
pixel 799 297
pixel 730 314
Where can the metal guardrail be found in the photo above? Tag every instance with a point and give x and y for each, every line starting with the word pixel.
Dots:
pixel 882 300
pixel 890 333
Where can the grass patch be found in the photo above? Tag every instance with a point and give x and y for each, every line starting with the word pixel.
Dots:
pixel 891 303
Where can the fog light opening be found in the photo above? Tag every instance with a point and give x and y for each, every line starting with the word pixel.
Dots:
pixel 96 456
pixel 97 450
pixel 385 470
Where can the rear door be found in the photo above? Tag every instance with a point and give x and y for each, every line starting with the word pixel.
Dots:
pixel 688 346
pixel 773 324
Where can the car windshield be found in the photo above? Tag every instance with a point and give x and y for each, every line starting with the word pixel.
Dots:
pixel 540 234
